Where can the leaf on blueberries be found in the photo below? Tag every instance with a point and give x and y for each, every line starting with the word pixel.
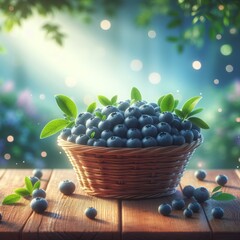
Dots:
pixel 10 199
pixel 91 107
pixel 216 189
pixel 135 94
pixel 92 135
pixel 190 104
pixel 214 195
pixel 22 192
pixel 167 103
pixel 179 113
pixel 199 122
pixel 223 196
pixel 53 127
pixel 175 103
pixel 104 100
pixel 160 100
pixel 114 100
pixel 28 184
pixel 67 105
pixel 36 185
pixel 194 112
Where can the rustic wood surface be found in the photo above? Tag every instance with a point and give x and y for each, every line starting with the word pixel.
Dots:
pixel 126 219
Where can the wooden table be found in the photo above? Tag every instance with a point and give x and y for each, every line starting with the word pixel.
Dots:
pixel 127 219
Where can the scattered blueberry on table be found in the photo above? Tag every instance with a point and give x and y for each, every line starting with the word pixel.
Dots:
pixel 165 209
pixel 200 174
pixel 39 193
pixel 39 205
pixel 91 212
pixel 221 179
pixel 188 191
pixel 67 187
pixel 217 212
pixel 194 206
pixel 201 194
pixel 37 173
pixel 188 213
pixel 178 204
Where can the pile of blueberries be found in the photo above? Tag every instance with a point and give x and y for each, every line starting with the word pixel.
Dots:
pixel 199 195
pixel 138 125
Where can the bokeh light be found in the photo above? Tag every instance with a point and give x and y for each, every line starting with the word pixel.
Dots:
pixel 154 78
pixel 219 110
pixel 216 81
pixel 7 156
pixel 10 138
pixel 70 82
pixel 218 36
pixel 196 65
pixel 226 49
pixel 43 154
pixel 152 34
pixel 229 68
pixel 105 24
pixel 136 65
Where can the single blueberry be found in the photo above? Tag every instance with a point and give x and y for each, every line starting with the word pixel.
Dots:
pixel 132 111
pixel 188 213
pixel 123 105
pixel 65 133
pixel 100 142
pixel 155 119
pixel 163 127
pixel 107 110
pixel 39 205
pixel 134 143
pixel 33 180
pixel 200 174
pixel 37 173
pixel 139 103
pixel 166 117
pixel 91 141
pixel 194 206
pixel 174 131
pixel 78 129
pixel 188 191
pixel 82 139
pixel 165 209
pixel 120 130
pixel 93 132
pixel 201 194
pixel 115 141
pixel 164 139
pixel 188 135
pixel 176 123
pixel 92 122
pixel 72 138
pixel 196 134
pixel 39 193
pixel 90 212
pixel 149 130
pixel 134 133
pixel 83 117
pixel 153 104
pixel 131 122
pixel 217 212
pixel 221 179
pixel 147 109
pixel 149 142
pixel 104 125
pixel 105 134
pixel 178 140
pixel 178 204
pixel 186 124
pixel 115 118
pixel 144 120
pixel 67 187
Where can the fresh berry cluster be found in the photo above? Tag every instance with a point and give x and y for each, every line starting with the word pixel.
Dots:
pixel 140 125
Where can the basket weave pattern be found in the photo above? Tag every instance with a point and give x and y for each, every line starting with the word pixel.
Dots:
pixel 129 173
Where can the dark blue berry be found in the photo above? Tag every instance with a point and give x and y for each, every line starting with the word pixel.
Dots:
pixel 92 122
pixel 91 141
pixel 188 191
pixel 178 140
pixel 186 124
pixel 188 213
pixel 221 179
pixel 154 104
pixel 131 122
pixel 149 130
pixel 147 109
pixel 78 129
pixel 33 180
pixel 200 174
pixel 166 117
pixel 164 127
pixel 149 142
pixel 132 111
pixel 194 206
pixel 107 110
pixel 104 125
pixel 139 104
pixel 100 143
pixel 176 123
pixel 39 205
pixel 115 118
pixel 67 187
pixel 82 139
pixel 93 132
pixel 105 134
pixel 144 120
pixel 165 209
pixel 120 130
pixel 72 138
pixel 83 117
pixel 37 173
pixel 115 141
pixel 164 139
pixel 123 105
pixel 134 143
pixel 188 135
pixel 217 212
pixel 178 204
pixel 196 134
pixel 90 212
pixel 201 194
pixel 39 193
pixel 65 133
pixel 134 133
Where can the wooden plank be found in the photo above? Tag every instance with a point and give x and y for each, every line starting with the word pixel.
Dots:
pixel 65 219
pixel 141 220
pixel 229 226
pixel 15 216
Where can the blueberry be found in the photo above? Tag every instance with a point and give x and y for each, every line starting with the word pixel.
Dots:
pixel 200 174
pixel 139 103
pixel 105 134
pixel 134 143
pixel 91 141
pixel 147 109
pixel 82 139
pixel 149 130
pixel 178 140
pixel 39 193
pixel 201 194
pixel 65 133
pixel 100 143
pixel 144 120
pixel 149 141
pixel 196 127
pixel 120 130
pixel 188 135
pixel 131 122
pixel 196 134
pixel 194 206
pixel 39 205
pixel 153 104
pixel 165 209
pixel 217 212
pixel 115 141
pixel 221 179
pixel 178 204
pixel 33 180
pixel 134 133
pixel 91 212
pixel 155 119
pixel 93 132
pixel 174 131
pixel 78 129
pixel 166 117
pixel 107 110
pixel 188 213
pixel 164 127
pixel 188 191
pixel 186 124
pixel 37 173
pixel 104 125
pixel 132 111
pixel 115 118
pixel 83 117
pixel 123 105
pixel 72 138
pixel 164 139
pixel 92 122
pixel 67 187
pixel 176 123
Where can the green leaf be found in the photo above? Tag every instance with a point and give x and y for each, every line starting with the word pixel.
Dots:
pixel 67 105
pixel 194 112
pixel 216 189
pixel 22 192
pixel 36 185
pixel 10 199
pixel 179 113
pixel 28 184
pixel 160 100
pixel 114 100
pixel 167 103
pixel 135 94
pixel 92 135
pixel 214 195
pixel 104 100
pixel 92 107
pixel 190 104
pixel 53 127
pixel 223 197
pixel 175 103
pixel 199 122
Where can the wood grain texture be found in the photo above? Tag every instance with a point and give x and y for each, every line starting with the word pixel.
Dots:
pixel 229 226
pixel 141 220
pixel 15 216
pixel 65 219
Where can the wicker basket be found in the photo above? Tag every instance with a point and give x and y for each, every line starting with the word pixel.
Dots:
pixel 129 173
